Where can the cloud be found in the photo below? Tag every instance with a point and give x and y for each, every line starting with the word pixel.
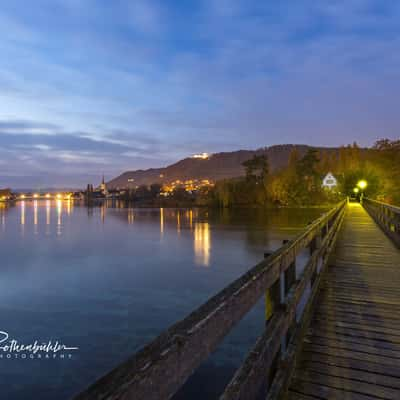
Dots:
pixel 143 83
pixel 22 126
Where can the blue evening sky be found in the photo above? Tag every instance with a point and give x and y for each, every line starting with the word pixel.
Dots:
pixel 93 86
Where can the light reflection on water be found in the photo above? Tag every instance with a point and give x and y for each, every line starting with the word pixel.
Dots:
pixel 108 279
pixel 202 243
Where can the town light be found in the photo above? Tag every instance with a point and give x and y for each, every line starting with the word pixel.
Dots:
pixel 48 195
pixel 35 196
pixel 362 184
pixel 356 190
pixel 58 196
pixel 22 196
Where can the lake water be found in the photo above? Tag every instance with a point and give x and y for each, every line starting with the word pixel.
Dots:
pixel 107 280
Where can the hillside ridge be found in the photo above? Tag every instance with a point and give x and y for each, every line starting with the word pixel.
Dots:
pixel 223 165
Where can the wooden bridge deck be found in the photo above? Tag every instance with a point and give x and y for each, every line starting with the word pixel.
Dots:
pixel 352 348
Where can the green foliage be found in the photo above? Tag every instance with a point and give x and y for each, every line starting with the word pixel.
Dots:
pixel 300 182
pixel 351 179
pixel 386 158
pixel 257 168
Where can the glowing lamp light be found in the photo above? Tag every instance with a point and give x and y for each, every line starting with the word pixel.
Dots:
pixel 35 196
pixel 22 196
pixel 356 190
pixel 202 156
pixel 362 184
pixel 58 196
pixel 48 196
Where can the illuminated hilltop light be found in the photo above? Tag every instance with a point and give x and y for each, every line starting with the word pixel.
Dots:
pixel 202 156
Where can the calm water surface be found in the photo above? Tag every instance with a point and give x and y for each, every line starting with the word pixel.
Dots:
pixel 108 280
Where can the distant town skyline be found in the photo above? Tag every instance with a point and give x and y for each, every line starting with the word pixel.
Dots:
pixel 93 87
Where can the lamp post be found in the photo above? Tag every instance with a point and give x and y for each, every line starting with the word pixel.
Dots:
pixel 356 191
pixel 362 185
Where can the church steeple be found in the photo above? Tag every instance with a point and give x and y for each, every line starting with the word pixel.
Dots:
pixel 103 186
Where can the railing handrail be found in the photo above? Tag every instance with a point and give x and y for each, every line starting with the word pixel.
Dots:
pixel 162 366
pixel 386 216
pixel 391 207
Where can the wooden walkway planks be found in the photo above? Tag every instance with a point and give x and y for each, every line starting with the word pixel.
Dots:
pixel 352 348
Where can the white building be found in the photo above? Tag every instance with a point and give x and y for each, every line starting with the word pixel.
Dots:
pixel 329 181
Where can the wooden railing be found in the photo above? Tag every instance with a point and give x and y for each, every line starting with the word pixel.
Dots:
pixel 387 217
pixel 161 368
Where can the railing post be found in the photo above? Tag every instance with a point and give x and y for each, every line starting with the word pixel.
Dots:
pixel 276 295
pixel 290 273
pixel 272 297
pixel 326 228
pixel 317 244
pixel 290 280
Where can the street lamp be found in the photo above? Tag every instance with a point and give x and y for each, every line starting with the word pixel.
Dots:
pixel 356 190
pixel 362 184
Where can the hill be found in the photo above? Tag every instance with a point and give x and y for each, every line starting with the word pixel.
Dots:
pixel 217 166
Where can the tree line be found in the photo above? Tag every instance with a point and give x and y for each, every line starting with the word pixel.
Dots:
pixel 300 182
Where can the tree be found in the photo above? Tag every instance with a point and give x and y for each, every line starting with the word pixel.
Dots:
pixel 307 168
pixel 257 168
pixel 386 159
pixel 300 182
pixel 257 179
pixel 351 179
pixel 155 190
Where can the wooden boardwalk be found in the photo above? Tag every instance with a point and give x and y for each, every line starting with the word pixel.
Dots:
pixel 352 348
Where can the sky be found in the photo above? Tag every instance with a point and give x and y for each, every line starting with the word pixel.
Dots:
pixel 97 86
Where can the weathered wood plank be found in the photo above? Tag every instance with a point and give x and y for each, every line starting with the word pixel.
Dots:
pixel 326 392
pixel 350 373
pixel 352 348
pixel 365 327
pixel 351 363
pixel 360 347
pixel 356 318
pixel 356 333
pixel 378 344
pixel 344 383
pixel 355 355
pixel 299 396
pixel 356 309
